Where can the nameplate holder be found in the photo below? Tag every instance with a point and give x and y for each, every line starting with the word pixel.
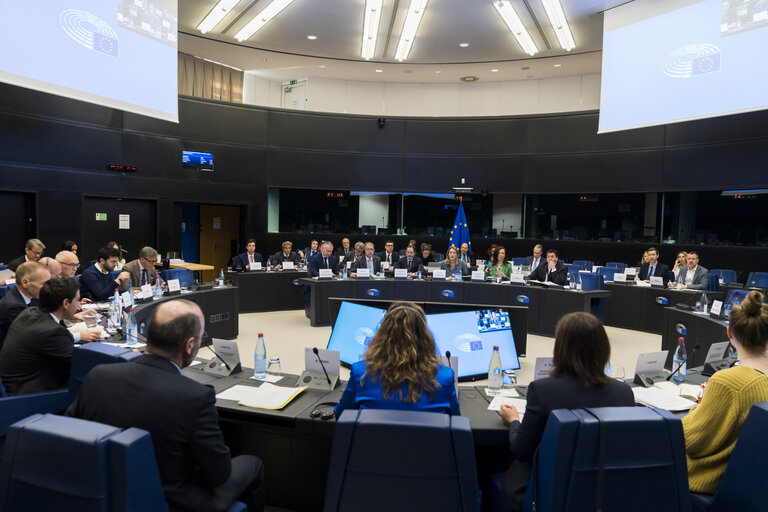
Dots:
pixel 146 291
pixel 255 266
pixel 715 366
pixel 363 273
pixel 648 379
pixel 288 265
pixel 516 279
pixel 478 275
pixel 314 374
pixel 401 273
pixel 174 287
pixel 717 309
pixel 657 281
pixel 620 278
pixel 125 298
pixel 542 368
pixel 384 265
pixel 438 274
pixel 10 281
pixel 325 273
pixel 229 353
pixel 631 271
pixel 651 363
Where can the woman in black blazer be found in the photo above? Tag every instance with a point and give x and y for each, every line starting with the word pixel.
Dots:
pixel 577 380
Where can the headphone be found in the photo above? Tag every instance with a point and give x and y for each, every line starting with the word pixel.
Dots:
pixel 324 411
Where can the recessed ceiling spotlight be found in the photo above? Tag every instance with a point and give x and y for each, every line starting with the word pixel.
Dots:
pixel 311 37
pixel 437 71
pixel 525 68
pixel 494 70
pixel 464 45
pixel 379 70
pixel 321 66
pixel 469 79
pixel 557 65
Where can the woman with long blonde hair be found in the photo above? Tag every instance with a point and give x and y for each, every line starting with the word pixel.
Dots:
pixel 400 369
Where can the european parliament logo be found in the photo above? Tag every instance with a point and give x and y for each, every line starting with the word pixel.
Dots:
pixel 468 342
pixel 364 335
pixel 89 31
pixel 692 60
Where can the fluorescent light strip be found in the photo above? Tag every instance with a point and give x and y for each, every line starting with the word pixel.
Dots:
pixel 515 24
pixel 411 25
pixel 262 19
pixel 216 15
pixel 371 27
pixel 559 24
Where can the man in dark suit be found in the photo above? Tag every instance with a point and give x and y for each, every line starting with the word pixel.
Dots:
pixel 151 393
pixel 285 255
pixel 368 260
pixel 309 252
pixel 30 277
pixel 554 271
pixel 344 248
pixel 249 256
pixel 323 259
pixel 653 268
pixel 535 260
pixel 410 261
pixel 466 255
pixel 693 276
pixel 33 250
pixel 96 283
pixel 37 352
pixel 389 255
pixel 142 270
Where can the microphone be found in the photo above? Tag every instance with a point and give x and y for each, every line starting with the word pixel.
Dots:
pixel 317 354
pixel 684 362
pixel 210 347
pixel 448 358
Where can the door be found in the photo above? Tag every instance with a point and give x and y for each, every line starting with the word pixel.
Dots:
pixel 132 223
pixel 219 230
pixel 17 209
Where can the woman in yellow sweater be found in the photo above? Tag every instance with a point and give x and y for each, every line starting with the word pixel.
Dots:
pixel 712 428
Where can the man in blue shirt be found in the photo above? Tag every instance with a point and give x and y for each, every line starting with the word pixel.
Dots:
pixel 96 282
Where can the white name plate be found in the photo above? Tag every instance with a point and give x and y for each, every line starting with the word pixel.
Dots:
pixel 717 307
pixel 385 265
pixel 517 279
pixel 401 273
pixel 125 297
pixel 287 265
pixel 643 284
pixel 146 291
pixel 650 362
pixel 174 285
pixel 619 278
pixel 326 273
pixel 478 275
pixel 363 272
pixel 438 274
pixel 255 266
pixel 716 351
pixel 542 367
pixel 657 281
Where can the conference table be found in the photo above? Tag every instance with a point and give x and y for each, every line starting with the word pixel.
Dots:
pixel 545 304
pixel 263 290
pixel 697 328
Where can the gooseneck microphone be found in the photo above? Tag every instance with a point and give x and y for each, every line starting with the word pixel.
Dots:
pixel 210 347
pixel 317 354
pixel 684 362
pixel 448 358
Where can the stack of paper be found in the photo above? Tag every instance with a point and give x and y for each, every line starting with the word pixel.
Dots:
pixel 654 397
pixel 688 391
pixel 266 396
pixel 499 400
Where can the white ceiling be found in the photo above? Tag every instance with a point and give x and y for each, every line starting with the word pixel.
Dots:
pixel 281 51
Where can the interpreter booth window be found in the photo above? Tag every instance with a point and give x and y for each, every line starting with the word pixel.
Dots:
pixel 717 217
pixel 433 214
pixel 316 211
pixel 602 217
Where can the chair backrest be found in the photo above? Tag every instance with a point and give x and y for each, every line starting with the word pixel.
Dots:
pixel 758 279
pixel 591 281
pixel 735 297
pixel 518 261
pixel 184 276
pixel 60 463
pixel 615 264
pixel 643 448
pixel 607 272
pixel 585 264
pixel 737 490
pixel 574 268
pixel 727 275
pixel 423 461
pixel 89 355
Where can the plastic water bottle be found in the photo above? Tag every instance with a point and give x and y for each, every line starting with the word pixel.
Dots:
pixel 158 288
pixel 494 372
pixel 681 357
pixel 703 302
pixel 260 358
pixel 115 311
pixel 131 329
pixel 418 274
pixel 221 277
pixel 572 280
pixel 578 281
pixel 679 285
pixel 344 271
pixel 130 293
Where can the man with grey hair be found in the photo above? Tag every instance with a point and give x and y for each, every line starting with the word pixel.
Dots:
pixel 535 260
pixel 53 266
pixel 151 393
pixel 30 277
pixel 285 255
pixel 69 263
pixel 142 270
pixel 33 250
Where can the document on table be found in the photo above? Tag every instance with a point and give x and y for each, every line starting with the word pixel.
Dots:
pixel 654 397
pixel 266 396
pixel 498 401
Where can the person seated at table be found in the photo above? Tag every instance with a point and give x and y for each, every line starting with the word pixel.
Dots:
pixel 427 256
pixel 285 255
pixel 400 369
pixel 554 271
pixel 120 254
pixel 70 245
pixel 33 251
pixel 534 260
pixel 343 248
pixel 142 270
pixel 389 255
pixel 96 282
pixel 53 266
pixel 652 268
pixel 351 257
pixel 577 380
pixel 491 253
pixel 453 266
pixel 368 260
pixel 680 262
pixel 644 259
pixel 30 277
pixel 692 276
pixel 70 264
pixel 467 256
pixel 499 267
pixel 309 252
pixel 410 261
pixel 323 259
pixel 712 428
pixel 249 256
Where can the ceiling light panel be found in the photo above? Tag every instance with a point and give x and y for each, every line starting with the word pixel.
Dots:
pixel 371 27
pixel 515 25
pixel 216 15
pixel 269 12
pixel 559 24
pixel 411 25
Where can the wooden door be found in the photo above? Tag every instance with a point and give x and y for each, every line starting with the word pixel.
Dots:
pixel 219 226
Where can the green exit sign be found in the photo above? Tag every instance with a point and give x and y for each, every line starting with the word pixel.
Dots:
pixel 294 82
pixel 101 216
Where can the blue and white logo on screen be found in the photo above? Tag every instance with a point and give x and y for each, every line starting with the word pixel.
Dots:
pixel 363 335
pixel 89 31
pixel 468 342
pixel 692 60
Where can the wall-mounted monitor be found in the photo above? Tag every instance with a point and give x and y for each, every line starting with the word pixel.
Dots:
pixel 197 160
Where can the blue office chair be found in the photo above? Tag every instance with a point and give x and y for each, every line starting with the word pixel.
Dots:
pixel 3 267
pixel 591 281
pixel 440 256
pixel 735 297
pixel 620 266
pixel 574 268
pixel 518 261
pixel 607 272
pixel 737 490
pixel 728 276
pixel 408 460
pixel 89 355
pixel 584 450
pixel 585 264
pixel 185 276
pixel 757 280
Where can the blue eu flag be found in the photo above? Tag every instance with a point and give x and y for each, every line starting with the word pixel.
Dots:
pixel 705 64
pixel 105 44
pixel 460 230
